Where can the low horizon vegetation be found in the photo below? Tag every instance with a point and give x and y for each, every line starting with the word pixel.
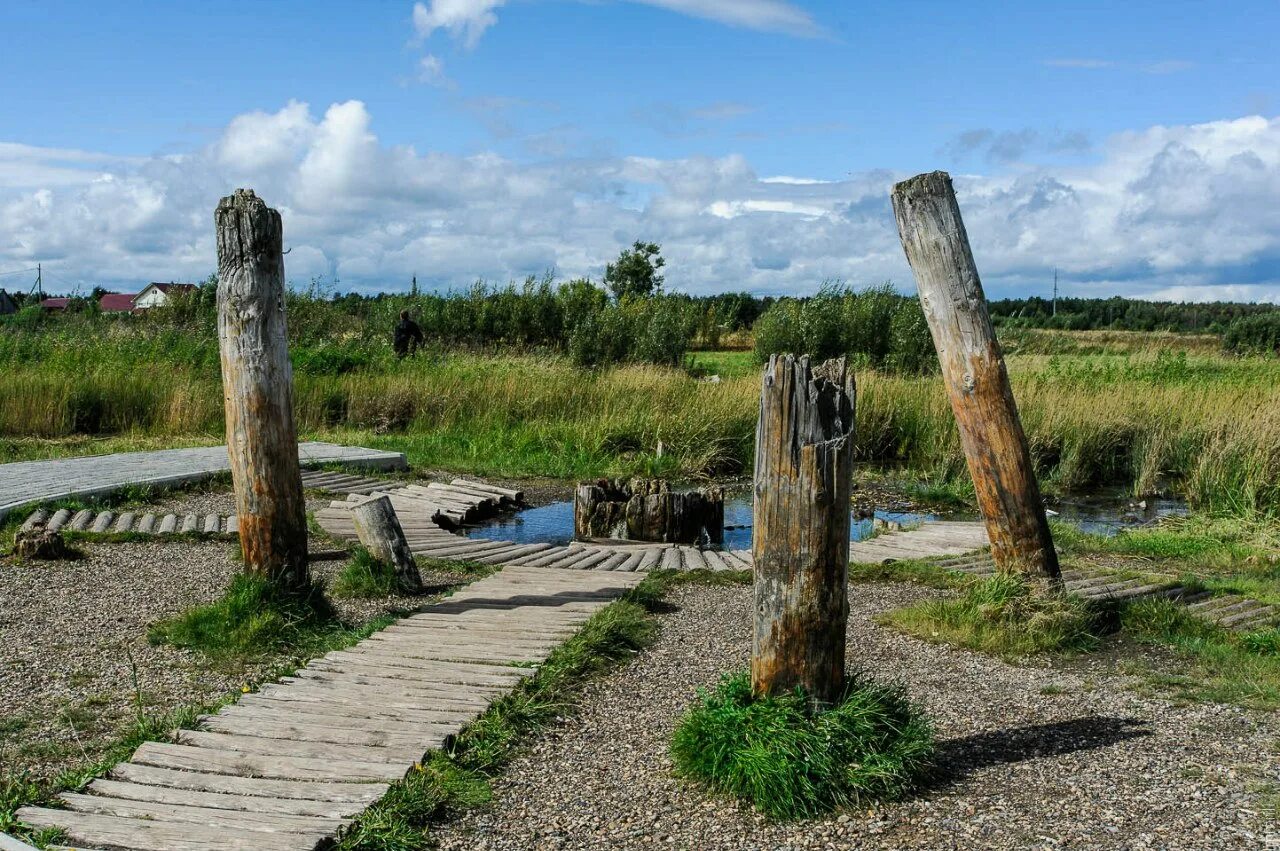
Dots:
pixel 501 390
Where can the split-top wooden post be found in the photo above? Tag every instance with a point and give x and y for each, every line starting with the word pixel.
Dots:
pixel 995 446
pixel 800 539
pixel 257 384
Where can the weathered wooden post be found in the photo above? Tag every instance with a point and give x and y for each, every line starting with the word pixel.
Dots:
pixel 257 384
pixel 803 477
pixel 379 531
pixel 995 446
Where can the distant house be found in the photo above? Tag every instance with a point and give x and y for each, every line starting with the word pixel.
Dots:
pixel 55 305
pixel 117 303
pixel 7 304
pixel 156 295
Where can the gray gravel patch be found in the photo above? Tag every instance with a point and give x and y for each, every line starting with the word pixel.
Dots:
pixel 1035 756
pixel 73 635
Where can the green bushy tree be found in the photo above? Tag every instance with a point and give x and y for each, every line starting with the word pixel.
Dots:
pixel 636 271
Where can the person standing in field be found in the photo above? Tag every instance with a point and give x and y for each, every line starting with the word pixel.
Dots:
pixel 408 336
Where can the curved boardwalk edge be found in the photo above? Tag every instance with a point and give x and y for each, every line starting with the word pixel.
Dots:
pixel 288 766
pixel 25 483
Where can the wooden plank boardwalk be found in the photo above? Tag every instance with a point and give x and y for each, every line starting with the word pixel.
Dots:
pixel 288 766
pixel 427 537
pixel 25 483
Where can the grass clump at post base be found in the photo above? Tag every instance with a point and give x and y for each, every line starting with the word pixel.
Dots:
pixel 793 762
pixel 365 577
pixel 255 616
pixel 1001 615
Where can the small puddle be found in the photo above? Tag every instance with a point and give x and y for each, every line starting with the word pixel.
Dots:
pixel 1106 514
pixel 553 524
pixel 1110 514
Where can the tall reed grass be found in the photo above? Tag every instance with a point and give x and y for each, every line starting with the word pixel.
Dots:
pixel 1203 424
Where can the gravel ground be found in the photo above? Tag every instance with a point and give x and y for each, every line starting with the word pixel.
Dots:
pixel 69 629
pixel 1043 756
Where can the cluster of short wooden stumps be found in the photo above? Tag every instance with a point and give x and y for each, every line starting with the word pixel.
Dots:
pixel 648 510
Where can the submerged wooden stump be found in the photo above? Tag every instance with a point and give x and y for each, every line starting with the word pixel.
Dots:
pixel 800 541
pixel 379 531
pixel 257 383
pixel 648 510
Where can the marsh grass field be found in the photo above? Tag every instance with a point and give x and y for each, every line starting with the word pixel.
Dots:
pixel 1147 413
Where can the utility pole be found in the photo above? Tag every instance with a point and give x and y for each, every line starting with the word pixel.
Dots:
pixel 1055 290
pixel 39 283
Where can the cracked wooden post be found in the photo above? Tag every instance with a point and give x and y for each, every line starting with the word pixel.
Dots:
pixel 257 384
pixel 995 445
pixel 800 540
pixel 379 531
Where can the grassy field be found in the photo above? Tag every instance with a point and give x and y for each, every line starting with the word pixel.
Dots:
pixel 1146 412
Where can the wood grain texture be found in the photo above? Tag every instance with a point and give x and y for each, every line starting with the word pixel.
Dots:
pixel 995 446
pixel 257 381
pixel 379 532
pixel 800 543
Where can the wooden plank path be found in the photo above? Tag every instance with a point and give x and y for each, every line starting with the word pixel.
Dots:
pixel 426 537
pixel 288 766
pixel 25 483
pixel 1229 611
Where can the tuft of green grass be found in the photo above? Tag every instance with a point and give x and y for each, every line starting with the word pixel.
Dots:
pixel 1219 665
pixel 793 762
pixel 365 577
pixel 429 792
pixel 1000 615
pixel 917 571
pixel 254 617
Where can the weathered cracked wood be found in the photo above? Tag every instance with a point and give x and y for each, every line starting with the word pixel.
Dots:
pixel 641 509
pixel 257 381
pixel 803 478
pixel 995 446
pixel 379 532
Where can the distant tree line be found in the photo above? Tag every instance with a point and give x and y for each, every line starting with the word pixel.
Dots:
pixel 628 317
pixel 1122 314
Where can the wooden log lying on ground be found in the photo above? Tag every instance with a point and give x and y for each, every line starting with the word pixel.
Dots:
pixel 379 532
pixel 995 446
pixel 257 381
pixel 800 543
pixel 516 496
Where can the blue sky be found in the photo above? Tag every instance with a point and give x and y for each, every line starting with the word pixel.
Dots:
pixel 1133 145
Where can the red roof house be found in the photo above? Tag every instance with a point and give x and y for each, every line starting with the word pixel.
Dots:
pixel 117 302
pixel 55 303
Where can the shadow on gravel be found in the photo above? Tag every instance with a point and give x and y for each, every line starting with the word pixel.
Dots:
pixel 956 759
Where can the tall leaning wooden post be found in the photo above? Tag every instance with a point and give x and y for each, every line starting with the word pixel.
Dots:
pixel 257 385
pixel 803 477
pixel 991 434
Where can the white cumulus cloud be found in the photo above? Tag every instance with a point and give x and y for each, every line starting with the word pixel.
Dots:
pixel 1183 212
pixel 463 19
